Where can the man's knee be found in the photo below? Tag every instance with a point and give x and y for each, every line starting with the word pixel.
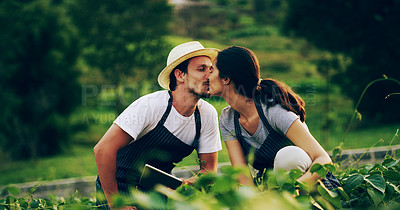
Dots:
pixel 292 157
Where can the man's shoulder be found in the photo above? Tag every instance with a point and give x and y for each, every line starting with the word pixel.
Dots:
pixel 155 98
pixel 205 106
pixel 157 95
pixel 152 101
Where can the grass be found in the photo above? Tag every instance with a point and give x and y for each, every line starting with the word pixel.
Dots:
pixel 77 162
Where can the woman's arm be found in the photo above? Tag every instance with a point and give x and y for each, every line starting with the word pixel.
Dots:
pixel 238 160
pixel 301 137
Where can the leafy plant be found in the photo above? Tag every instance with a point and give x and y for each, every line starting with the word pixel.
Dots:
pixel 365 186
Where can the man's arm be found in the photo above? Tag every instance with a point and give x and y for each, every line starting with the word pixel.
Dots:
pixel 105 153
pixel 208 164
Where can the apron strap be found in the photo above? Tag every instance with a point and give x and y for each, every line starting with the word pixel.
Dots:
pixel 168 110
pixel 261 114
pixel 245 146
pixel 238 130
pixel 198 127
pixel 196 117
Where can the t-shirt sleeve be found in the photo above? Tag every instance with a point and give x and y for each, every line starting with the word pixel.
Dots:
pixel 281 119
pixel 135 118
pixel 209 140
pixel 227 125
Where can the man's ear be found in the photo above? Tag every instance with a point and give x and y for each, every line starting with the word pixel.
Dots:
pixel 179 75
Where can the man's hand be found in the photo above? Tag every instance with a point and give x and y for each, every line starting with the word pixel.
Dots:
pixel 189 181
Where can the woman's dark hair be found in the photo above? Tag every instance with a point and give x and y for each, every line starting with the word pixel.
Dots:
pixel 241 66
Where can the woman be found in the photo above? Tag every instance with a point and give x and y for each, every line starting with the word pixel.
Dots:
pixel 265 117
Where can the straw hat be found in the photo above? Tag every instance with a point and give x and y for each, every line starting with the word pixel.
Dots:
pixel 181 53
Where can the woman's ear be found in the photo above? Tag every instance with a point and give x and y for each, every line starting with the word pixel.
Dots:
pixel 227 81
pixel 179 75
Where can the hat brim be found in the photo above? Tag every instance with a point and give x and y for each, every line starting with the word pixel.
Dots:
pixel 163 77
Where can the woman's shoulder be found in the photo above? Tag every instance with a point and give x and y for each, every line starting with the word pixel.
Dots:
pixel 279 118
pixel 277 108
pixel 227 114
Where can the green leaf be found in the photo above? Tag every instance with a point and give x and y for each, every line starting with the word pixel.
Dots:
pixel 119 201
pixel 377 181
pixel 224 184
pixel 352 182
pixel 322 203
pixel 23 203
pixel 330 167
pixel 205 181
pixel 337 151
pixel 342 193
pixel 305 186
pixel 331 196
pixel 392 175
pixel 375 195
pixel 289 187
pixel 388 159
pixel 392 164
pixel 34 204
pixel 10 199
pixel 13 190
pixel 319 169
pixel 295 173
pixel 393 188
pixel 304 199
pixel 315 167
pixel 272 182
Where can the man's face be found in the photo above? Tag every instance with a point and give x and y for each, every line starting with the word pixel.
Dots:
pixel 196 79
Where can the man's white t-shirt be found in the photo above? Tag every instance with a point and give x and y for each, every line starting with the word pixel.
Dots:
pixel 143 115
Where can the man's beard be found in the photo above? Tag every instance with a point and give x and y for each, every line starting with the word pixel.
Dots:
pixel 199 95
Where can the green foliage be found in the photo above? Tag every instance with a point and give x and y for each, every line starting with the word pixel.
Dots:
pixel 373 185
pixel 366 186
pixel 38 79
pixel 123 39
pixel 366 34
pixel 269 12
pixel 53 202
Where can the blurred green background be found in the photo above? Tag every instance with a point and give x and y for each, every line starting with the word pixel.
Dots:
pixel 69 67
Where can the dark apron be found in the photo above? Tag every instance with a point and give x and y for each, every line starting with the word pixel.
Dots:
pixel 159 148
pixel 265 155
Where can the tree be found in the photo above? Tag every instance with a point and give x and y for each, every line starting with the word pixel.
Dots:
pixel 269 12
pixel 124 39
pixel 38 81
pixel 366 32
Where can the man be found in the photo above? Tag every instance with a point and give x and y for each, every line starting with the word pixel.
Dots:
pixel 162 128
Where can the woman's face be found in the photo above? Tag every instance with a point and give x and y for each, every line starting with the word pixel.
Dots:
pixel 216 83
